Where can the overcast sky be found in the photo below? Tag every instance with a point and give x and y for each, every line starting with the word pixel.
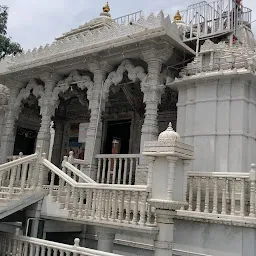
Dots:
pixel 37 22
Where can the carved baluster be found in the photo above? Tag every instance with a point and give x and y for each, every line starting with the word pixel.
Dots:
pixel 30 170
pixel 61 253
pixel 19 168
pixel 75 201
pixel 135 211
pixel 198 196
pixel 125 171
pixel 31 250
pixel 52 183
pixel 242 198
pixel 11 189
pixel 25 248
pixel 81 203
pixel 224 200
pixel 103 171
pixel 9 250
pixel 109 170
pixel 190 198
pixel 49 251
pixel 14 247
pixel 121 207
pixel 252 190
pixel 43 250
pixel 110 204
pixel 119 171
pixel 94 203
pixel 149 215
pixel 103 203
pixel 88 202
pixel 23 177
pixel 107 205
pixel 143 208
pixel 100 204
pixel 215 195
pixel 20 248
pixel 131 170
pixel 68 194
pixel 233 184
pixel 114 171
pixel 60 190
pixel 128 208
pixel 207 195
pixel 37 250
pixel 114 206
pixel 99 170
pixel 55 252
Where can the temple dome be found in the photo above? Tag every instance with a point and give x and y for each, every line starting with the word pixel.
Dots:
pixel 169 135
pixel 104 20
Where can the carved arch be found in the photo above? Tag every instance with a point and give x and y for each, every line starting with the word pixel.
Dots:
pixel 32 87
pixel 83 82
pixel 115 77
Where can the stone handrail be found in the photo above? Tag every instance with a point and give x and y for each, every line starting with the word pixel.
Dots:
pixel 15 157
pixel 222 193
pixel 74 172
pixel 117 168
pixel 108 203
pixel 19 245
pixel 19 175
pixel 78 163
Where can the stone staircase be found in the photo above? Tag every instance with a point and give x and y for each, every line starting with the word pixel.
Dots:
pixel 18 201
pixel 71 195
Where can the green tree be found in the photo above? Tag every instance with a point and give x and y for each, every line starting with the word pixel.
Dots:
pixel 7 47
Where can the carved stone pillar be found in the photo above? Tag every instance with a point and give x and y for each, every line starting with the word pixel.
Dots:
pixel 164 241
pixel 57 146
pixel 106 238
pixel 96 105
pixel 153 88
pixel 8 133
pixel 47 110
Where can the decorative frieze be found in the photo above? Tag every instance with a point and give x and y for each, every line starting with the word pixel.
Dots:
pixel 78 43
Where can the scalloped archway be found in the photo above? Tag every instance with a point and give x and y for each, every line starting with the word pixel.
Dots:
pixel 115 77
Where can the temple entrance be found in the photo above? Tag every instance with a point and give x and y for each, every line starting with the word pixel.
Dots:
pixel 25 141
pixel 118 132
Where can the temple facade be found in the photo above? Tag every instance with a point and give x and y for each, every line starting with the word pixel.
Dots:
pixel 90 111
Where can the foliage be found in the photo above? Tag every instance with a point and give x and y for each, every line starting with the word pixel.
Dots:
pixel 7 47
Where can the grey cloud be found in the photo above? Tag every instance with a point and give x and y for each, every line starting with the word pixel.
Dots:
pixel 33 23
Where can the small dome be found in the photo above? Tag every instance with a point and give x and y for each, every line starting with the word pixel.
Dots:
pixel 169 134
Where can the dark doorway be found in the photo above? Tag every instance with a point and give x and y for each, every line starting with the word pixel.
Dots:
pixel 25 141
pixel 118 130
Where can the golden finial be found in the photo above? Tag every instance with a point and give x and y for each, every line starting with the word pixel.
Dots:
pixel 177 16
pixel 106 8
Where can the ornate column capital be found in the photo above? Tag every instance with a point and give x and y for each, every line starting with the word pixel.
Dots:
pixel 152 94
pixel 49 77
pixel 99 66
pixel 157 53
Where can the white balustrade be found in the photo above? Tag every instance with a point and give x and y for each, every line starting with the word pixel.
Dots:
pixel 19 175
pixel 15 157
pixel 28 246
pixel 72 170
pixel 222 193
pixel 78 163
pixel 101 202
pixel 117 168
